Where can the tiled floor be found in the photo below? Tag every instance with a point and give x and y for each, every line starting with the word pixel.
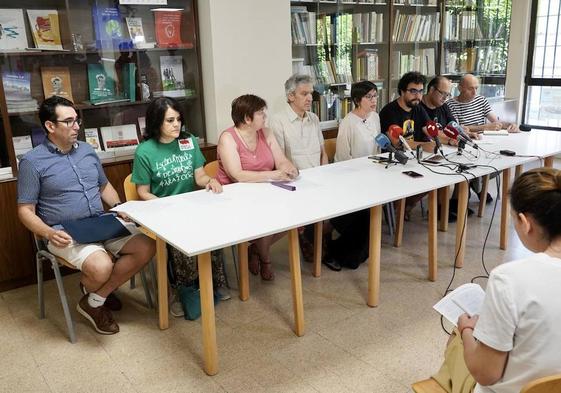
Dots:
pixel 348 347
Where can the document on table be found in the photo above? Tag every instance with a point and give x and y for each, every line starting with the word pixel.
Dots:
pixel 467 298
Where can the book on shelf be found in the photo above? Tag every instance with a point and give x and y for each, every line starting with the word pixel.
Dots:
pixel 6 173
pixel 22 144
pixel 108 28
pixel 12 31
pixel 101 84
pixel 416 28
pixel 136 32
pixel 366 66
pixel 56 82
pixel 368 27
pixel 423 61
pixel 45 28
pixel 142 126
pixel 122 140
pixel 17 90
pixel 168 29
pixel 128 81
pixel 171 69
pixel 467 298
pixel 92 138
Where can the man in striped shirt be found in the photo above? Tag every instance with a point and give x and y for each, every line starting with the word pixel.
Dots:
pixel 473 111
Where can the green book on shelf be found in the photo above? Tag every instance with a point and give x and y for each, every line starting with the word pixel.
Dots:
pixel 101 84
pixel 129 81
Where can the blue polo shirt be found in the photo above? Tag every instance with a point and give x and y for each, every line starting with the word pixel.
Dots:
pixel 63 186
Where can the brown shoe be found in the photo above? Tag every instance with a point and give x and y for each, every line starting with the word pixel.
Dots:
pixel 100 317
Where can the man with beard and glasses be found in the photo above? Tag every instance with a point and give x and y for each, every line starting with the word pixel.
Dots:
pixel 405 111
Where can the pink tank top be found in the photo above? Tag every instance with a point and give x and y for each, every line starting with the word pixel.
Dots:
pixel 260 159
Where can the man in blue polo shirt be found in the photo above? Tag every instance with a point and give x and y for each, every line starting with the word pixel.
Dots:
pixel 62 179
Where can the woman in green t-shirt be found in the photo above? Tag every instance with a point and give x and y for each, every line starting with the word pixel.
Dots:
pixel 170 162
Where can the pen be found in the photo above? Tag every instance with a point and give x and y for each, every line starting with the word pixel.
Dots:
pixel 284 185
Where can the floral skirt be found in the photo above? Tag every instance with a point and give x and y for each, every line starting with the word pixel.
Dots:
pixel 184 269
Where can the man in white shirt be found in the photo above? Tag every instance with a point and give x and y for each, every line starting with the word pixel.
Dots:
pixel 300 137
pixel 296 128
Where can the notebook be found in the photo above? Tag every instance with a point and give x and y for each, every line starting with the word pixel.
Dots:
pixel 95 229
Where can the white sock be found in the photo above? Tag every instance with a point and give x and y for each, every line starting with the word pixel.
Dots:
pixel 95 301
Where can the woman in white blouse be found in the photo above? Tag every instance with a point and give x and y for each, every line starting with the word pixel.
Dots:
pixel 355 139
pixel 359 128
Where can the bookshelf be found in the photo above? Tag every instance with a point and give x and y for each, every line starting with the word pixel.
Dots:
pixel 127 63
pixel 122 45
pixel 476 35
pixel 339 42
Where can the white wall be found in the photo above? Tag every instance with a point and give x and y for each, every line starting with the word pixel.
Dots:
pixel 518 51
pixel 245 48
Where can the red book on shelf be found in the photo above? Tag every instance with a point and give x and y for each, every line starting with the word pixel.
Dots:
pixel 168 29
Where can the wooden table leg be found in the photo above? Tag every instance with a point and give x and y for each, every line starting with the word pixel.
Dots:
pixel 296 276
pixel 444 198
pixel 461 223
pixel 548 162
pixel 433 254
pixel 318 239
pixel 162 271
pixel 400 217
pixel 244 271
pixel 374 255
pixel 505 205
pixel 483 195
pixel 518 170
pixel 210 353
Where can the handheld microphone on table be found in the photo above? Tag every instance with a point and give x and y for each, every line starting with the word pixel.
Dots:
pixel 385 144
pixel 461 135
pixel 396 132
pixel 432 130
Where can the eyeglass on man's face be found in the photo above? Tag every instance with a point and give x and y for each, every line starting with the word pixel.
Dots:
pixel 443 93
pixel 71 122
pixel 415 91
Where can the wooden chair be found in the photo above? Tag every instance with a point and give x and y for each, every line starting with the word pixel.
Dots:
pixel 330 145
pixel 551 384
pixel 211 169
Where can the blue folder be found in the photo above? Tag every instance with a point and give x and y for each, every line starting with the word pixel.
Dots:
pixel 95 229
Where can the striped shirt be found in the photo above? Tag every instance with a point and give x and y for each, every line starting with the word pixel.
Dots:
pixel 473 113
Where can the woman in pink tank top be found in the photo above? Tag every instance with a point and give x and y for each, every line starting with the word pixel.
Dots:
pixel 249 152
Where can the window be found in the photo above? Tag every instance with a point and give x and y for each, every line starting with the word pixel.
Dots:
pixel 543 75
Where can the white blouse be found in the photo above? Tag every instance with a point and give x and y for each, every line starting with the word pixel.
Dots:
pixel 356 136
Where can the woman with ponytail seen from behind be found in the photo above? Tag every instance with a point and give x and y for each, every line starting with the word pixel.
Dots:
pixel 516 338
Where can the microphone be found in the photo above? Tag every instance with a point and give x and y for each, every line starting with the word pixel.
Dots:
pixel 384 143
pixel 461 134
pixel 396 132
pixel 432 129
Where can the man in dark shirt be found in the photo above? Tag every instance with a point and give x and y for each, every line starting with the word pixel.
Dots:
pixel 62 179
pixel 405 111
pixel 434 101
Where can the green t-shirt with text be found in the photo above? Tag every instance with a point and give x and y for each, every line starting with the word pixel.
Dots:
pixel 169 168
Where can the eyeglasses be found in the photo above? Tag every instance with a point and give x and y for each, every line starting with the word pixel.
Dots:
pixel 443 93
pixel 371 96
pixel 71 122
pixel 415 91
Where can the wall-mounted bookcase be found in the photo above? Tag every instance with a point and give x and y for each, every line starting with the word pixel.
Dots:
pixel 110 57
pixel 344 41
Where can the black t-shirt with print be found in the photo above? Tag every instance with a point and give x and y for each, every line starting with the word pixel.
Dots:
pixel 415 119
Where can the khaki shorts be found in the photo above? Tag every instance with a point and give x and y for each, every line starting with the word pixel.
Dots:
pixel 76 253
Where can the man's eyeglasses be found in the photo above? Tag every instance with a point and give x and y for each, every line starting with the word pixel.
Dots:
pixel 415 91
pixel 371 96
pixel 71 122
pixel 443 93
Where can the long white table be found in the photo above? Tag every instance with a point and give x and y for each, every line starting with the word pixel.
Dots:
pixel 199 222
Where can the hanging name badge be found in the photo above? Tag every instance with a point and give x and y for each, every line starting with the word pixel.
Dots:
pixel 185 144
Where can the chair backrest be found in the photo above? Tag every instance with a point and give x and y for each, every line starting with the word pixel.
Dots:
pixel 211 168
pixel 330 145
pixel 130 189
pixel 551 384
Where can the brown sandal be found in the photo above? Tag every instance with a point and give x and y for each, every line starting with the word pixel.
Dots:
pixel 267 273
pixel 253 259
